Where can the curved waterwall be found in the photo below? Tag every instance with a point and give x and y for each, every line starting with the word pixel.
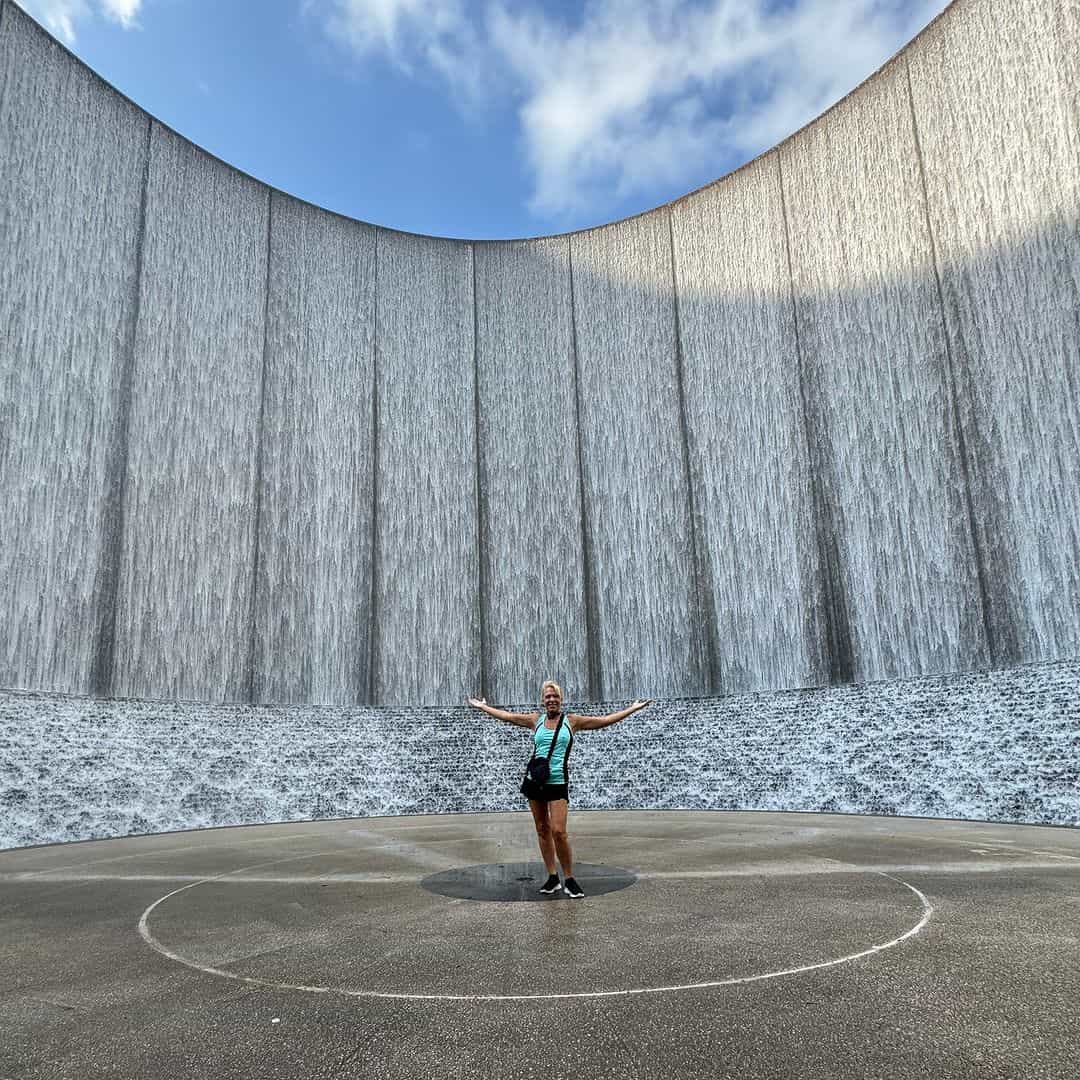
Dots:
pixel 816 423
pixel 1000 745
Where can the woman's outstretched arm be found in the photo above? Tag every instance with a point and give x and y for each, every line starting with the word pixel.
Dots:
pixel 591 723
pixel 521 719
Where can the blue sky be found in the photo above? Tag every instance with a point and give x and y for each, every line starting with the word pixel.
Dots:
pixel 485 119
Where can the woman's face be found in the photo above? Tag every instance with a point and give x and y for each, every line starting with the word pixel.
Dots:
pixel 551 700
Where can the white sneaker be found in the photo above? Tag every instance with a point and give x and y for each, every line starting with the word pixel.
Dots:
pixel 573 889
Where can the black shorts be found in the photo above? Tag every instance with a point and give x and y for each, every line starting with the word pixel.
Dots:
pixel 552 793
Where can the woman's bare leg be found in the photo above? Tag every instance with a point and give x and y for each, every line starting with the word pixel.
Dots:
pixel 543 833
pixel 557 812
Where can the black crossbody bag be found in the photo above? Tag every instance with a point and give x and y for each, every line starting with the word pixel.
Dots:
pixel 538 771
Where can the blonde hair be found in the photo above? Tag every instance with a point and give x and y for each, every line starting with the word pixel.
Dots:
pixel 554 686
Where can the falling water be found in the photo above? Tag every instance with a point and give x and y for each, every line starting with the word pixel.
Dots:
pixel 533 579
pixel 187 558
pixel 817 421
pixel 992 745
pixel 71 177
pixel 313 588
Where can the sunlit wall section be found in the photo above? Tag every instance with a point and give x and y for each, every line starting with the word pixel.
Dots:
pixel 426 611
pixel 184 605
pixel 72 169
pixel 650 634
pixel 817 422
pixel 532 567
pixel 752 488
pixel 998 112
pixel 313 578
pixel 883 444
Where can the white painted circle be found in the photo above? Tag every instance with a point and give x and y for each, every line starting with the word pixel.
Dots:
pixel 148 937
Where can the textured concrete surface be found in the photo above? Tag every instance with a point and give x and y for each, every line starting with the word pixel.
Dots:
pixel 749 945
pixel 818 422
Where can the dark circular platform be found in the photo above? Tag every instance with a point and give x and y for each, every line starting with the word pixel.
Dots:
pixel 762 945
pixel 521 881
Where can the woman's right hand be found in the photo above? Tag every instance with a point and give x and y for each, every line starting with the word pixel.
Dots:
pixel 477 703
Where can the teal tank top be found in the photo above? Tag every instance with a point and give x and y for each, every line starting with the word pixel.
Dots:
pixel 542 741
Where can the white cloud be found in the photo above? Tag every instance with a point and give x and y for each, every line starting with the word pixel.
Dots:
pixel 642 92
pixel 637 93
pixel 58 16
pixel 61 16
pixel 416 35
pixel 122 11
pixel 369 25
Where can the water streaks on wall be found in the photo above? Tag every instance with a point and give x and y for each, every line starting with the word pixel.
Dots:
pixel 819 421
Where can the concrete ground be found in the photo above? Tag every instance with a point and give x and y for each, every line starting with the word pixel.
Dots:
pixel 710 944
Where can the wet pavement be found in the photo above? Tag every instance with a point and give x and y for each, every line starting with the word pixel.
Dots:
pixel 708 944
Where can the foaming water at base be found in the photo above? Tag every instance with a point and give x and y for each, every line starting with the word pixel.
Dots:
pixel 1001 745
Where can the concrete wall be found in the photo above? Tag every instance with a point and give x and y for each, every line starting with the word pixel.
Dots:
pixel 816 423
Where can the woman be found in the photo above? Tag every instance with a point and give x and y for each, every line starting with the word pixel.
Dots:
pixel 549 809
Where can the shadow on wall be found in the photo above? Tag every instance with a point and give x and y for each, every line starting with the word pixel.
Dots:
pixel 698 515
